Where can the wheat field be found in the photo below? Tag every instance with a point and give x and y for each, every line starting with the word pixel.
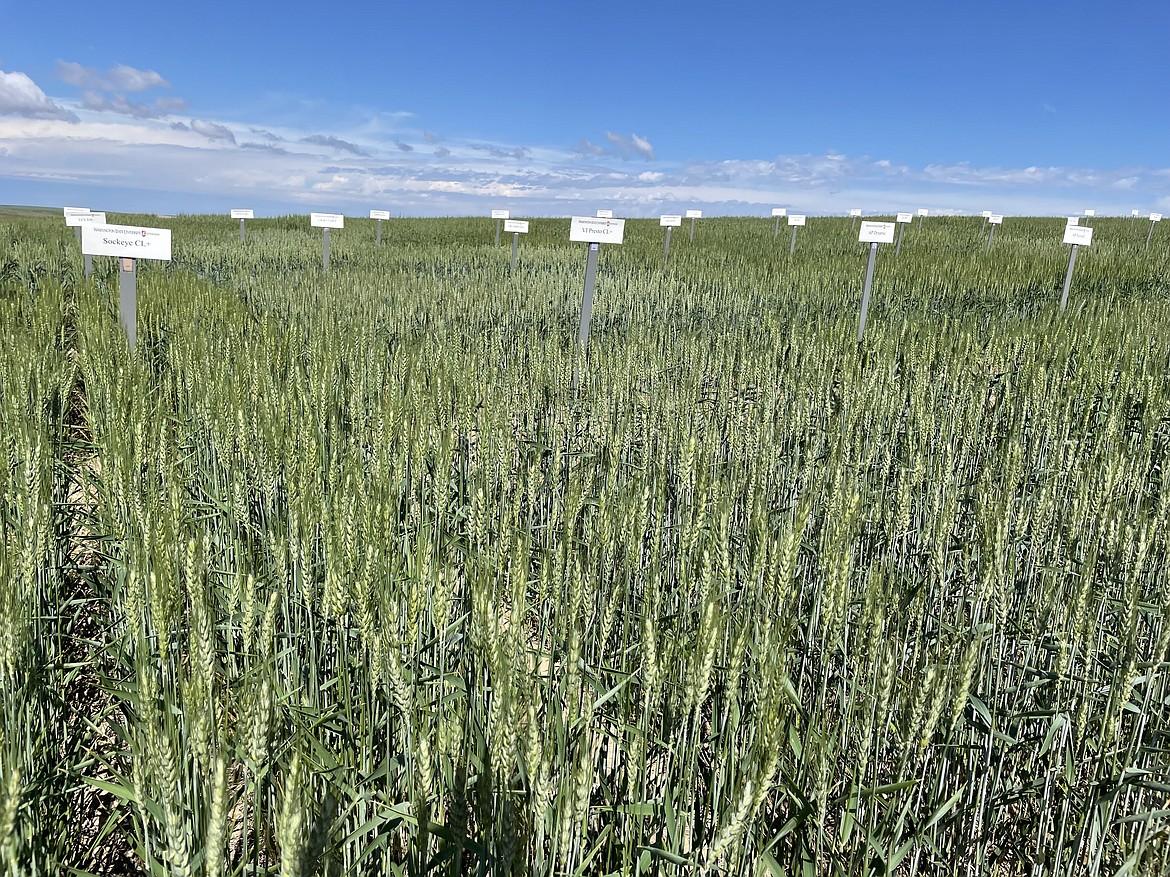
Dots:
pixel 374 572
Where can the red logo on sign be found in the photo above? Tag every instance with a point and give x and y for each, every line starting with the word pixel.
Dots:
pixel 144 232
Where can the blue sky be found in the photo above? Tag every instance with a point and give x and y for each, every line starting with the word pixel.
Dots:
pixel 552 109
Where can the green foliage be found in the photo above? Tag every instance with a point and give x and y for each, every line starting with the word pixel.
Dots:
pixel 385 590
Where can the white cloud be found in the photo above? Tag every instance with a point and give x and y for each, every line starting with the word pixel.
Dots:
pixel 98 102
pixel 212 130
pixel 20 96
pixel 585 146
pixel 629 146
pixel 119 78
pixel 642 146
pixel 72 73
pixel 334 143
pixel 129 79
pixel 117 143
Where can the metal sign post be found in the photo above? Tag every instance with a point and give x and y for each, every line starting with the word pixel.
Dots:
pixel 796 220
pixel 778 212
pixel 1072 260
pixel 692 215
pixel 593 231
pixel 903 220
pixel 128 299
pixel 994 220
pixel 872 233
pixel 1077 236
pixel 669 222
pixel 517 227
pixel 325 222
pixel 76 217
pixel 1155 218
pixel 117 241
pixel 379 215
pixel 865 293
pixel 499 216
pixel 242 214
pixel 854 215
pixel 587 297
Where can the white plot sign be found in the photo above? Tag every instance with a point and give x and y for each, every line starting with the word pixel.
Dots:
pixel 694 214
pixel 601 230
pixel 327 220
pixel 922 211
pixel 500 214
pixel 516 226
pixel 877 233
pixel 905 217
pixel 779 211
pixel 985 214
pixel 1090 213
pixel 242 214
pixel 1081 235
pixel 670 219
pixel 75 219
pixel 126 241
pixel 1155 217
pixel 73 211
pixel 796 219
pixel 379 214
pixel 995 219
pixel 605 214
pixel 855 212
pixel 1072 220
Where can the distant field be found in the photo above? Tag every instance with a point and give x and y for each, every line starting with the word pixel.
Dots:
pixel 371 571
pixel 20 210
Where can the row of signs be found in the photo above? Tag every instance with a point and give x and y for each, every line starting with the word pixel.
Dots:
pixel 100 239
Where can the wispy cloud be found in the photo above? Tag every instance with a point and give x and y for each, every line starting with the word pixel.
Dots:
pixel 104 139
pixel 98 102
pixel 20 96
pixel 335 143
pixel 212 130
pixel 631 145
pixel 266 147
pixel 119 78
pixel 517 152
pixel 585 146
